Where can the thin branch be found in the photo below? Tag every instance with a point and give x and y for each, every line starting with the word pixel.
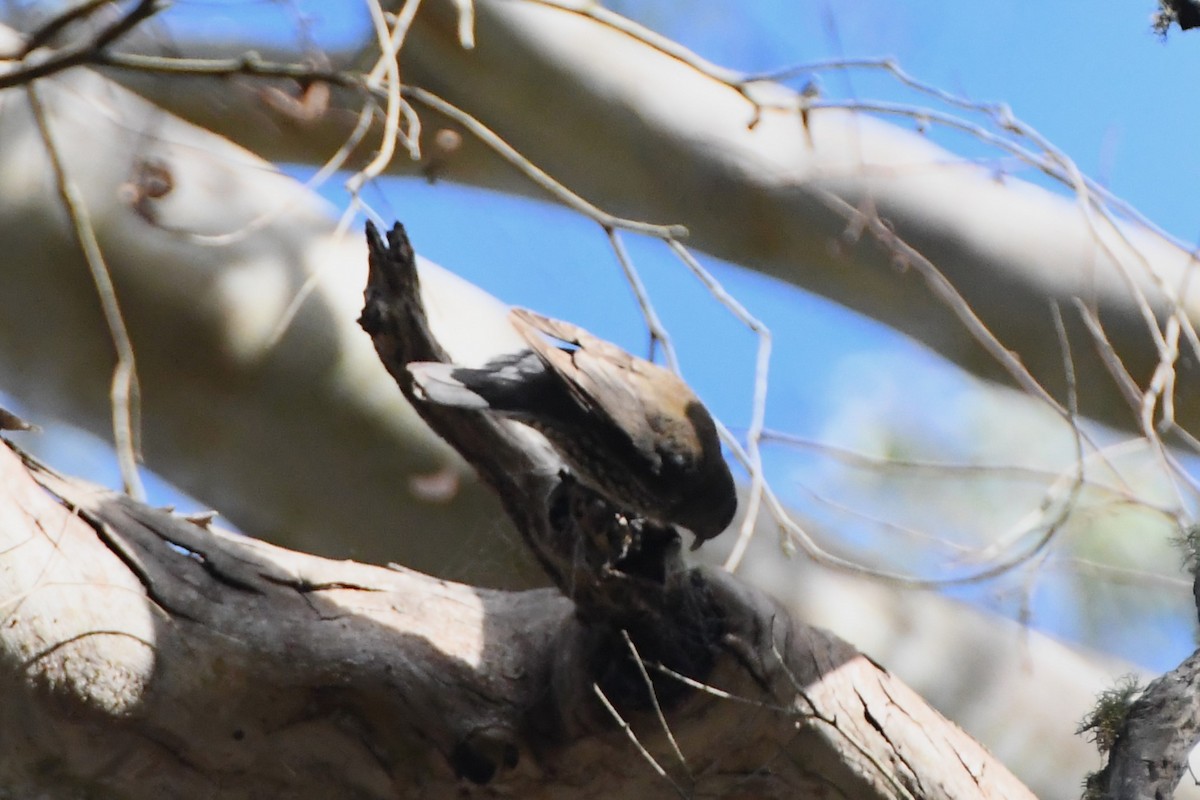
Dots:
pixel 945 291
pixel 85 52
pixel 1135 399
pixel 251 64
pixel 610 19
pixel 248 64
pixel 658 332
pixel 886 774
pixel 713 691
pixel 628 730
pixel 1070 483
pixel 653 694
pixel 466 23
pixel 884 524
pixel 1119 576
pixel 938 470
pixel 55 24
pixel 388 64
pixel 124 390
pixel 750 455
pixel 335 162
pixel 1000 115
pixel 797 535
pixel 758 405
pixel 534 173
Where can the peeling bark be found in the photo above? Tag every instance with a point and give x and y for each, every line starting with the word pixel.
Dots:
pixel 146 656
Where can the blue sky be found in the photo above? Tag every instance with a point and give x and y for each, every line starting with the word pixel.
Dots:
pixel 1091 77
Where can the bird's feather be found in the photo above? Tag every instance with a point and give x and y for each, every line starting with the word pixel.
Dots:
pixel 435 383
pixel 598 375
pixel 503 384
pixel 609 382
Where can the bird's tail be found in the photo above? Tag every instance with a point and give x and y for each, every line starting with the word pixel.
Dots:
pixel 502 385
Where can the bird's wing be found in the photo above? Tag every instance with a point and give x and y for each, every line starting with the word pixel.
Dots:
pixel 436 383
pixel 502 384
pixel 633 394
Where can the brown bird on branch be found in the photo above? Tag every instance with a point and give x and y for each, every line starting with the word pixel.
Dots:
pixel 630 429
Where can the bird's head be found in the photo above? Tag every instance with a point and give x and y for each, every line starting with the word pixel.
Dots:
pixel 710 501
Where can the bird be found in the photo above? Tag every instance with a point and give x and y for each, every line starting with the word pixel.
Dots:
pixel 629 429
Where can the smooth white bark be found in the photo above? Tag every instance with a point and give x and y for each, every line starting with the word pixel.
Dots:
pixel 645 135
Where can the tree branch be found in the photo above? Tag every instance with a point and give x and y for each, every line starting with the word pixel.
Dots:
pixel 215 662
pixel 662 133
pixel 73 54
pixel 1148 751
pixel 190 661
pixel 1162 727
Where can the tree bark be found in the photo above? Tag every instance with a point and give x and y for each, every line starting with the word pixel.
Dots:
pixel 1160 731
pixel 1151 748
pixel 148 655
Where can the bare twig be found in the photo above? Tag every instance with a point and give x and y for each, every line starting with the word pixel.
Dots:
pixel 124 391
pixel 388 65
pixel 628 730
pixel 814 713
pixel 758 408
pixel 466 23
pixel 658 332
pixel 653 694
pixel 945 291
pixel 938 470
pixel 55 24
pixel 248 64
pixel 383 83
pixel 84 52
pixel 538 176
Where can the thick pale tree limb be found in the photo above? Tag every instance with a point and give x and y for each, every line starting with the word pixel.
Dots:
pixel 144 655
pixel 669 144
pixel 643 134
pixel 234 667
